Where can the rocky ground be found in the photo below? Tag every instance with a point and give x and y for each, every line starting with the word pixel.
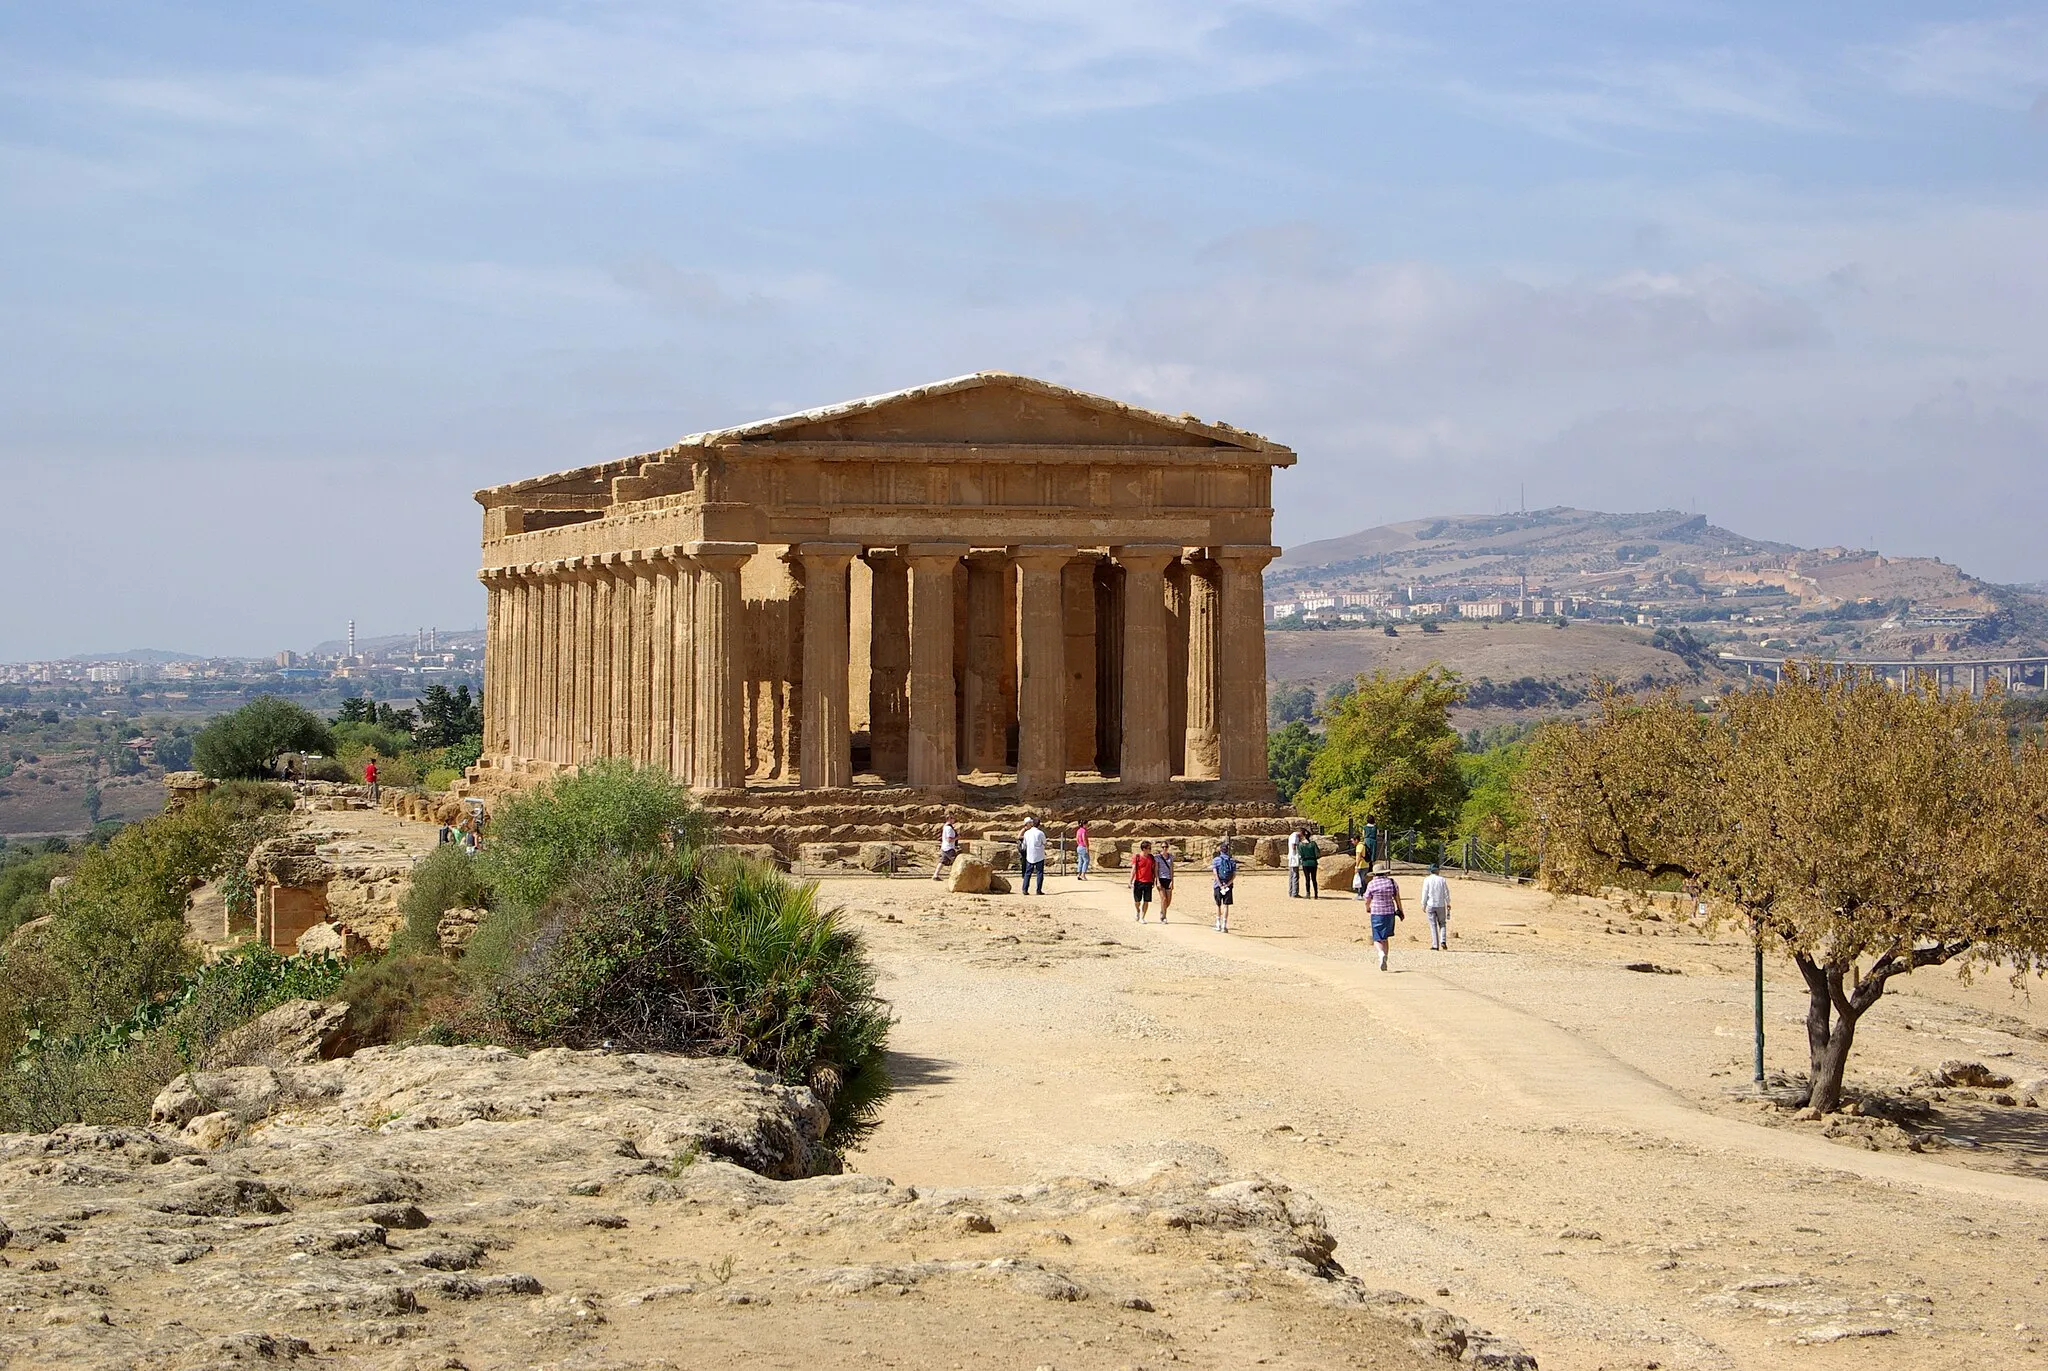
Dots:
pixel 466 1207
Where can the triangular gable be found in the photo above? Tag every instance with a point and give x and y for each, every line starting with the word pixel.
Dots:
pixel 990 407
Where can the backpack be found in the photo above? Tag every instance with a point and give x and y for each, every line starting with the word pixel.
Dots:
pixel 1226 867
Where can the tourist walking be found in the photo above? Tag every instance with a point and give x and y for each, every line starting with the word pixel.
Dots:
pixel 1371 839
pixel 949 847
pixel 1436 907
pixel 1224 866
pixel 1081 850
pixel 1294 863
pixel 1032 846
pixel 370 779
pixel 1308 854
pixel 1144 871
pixel 1383 906
pixel 1164 858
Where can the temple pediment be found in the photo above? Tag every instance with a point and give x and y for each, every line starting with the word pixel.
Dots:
pixel 991 409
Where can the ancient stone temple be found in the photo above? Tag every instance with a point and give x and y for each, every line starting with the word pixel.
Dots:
pixel 985 578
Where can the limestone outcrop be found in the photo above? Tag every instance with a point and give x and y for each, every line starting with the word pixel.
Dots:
pixel 469 1207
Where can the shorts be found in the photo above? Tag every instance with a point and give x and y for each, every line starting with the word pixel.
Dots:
pixel 1382 928
pixel 1224 895
pixel 1166 884
pixel 1141 891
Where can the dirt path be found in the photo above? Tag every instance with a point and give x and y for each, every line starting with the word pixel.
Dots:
pixel 1520 1123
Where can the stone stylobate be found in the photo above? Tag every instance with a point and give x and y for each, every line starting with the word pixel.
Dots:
pixel 987 577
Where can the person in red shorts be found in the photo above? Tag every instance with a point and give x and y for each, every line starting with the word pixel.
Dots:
pixel 1144 871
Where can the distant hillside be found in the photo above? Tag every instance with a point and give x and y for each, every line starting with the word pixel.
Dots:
pixel 150 656
pixel 1667 567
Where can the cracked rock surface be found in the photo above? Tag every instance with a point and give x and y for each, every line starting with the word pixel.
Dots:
pixel 469 1207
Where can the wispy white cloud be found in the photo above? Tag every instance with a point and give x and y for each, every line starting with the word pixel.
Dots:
pixel 2000 62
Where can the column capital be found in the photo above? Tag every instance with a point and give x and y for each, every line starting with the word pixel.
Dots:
pixel 1042 556
pixel 934 552
pixel 1252 556
pixel 831 555
pixel 714 556
pixel 1145 556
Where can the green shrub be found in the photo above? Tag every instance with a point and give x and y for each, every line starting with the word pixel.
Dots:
pixel 251 800
pixel 460 756
pixel 440 778
pixel 541 840
pixel 25 884
pixel 400 996
pixel 328 769
pixel 247 743
pixel 671 952
pixel 446 878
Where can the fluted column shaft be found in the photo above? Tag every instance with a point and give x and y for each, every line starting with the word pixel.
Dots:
pixel 550 727
pixel 721 759
pixel 661 713
pixel 1241 665
pixel 682 676
pixel 494 662
pixel 933 735
pixel 1147 759
pixel 524 680
pixel 642 702
pixel 1042 683
pixel 600 729
pixel 826 759
pixel 619 731
pixel 1204 743
pixel 584 661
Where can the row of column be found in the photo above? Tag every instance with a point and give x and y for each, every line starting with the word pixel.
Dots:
pixel 634 654
pixel 1218 611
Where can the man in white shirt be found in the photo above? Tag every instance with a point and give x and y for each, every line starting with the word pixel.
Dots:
pixel 1294 863
pixel 1033 846
pixel 949 847
pixel 1436 903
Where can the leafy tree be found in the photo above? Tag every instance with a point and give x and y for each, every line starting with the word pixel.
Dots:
pixel 1494 808
pixel 247 743
pixel 1293 702
pixel 174 754
pixel 448 717
pixel 1389 751
pixel 1289 751
pixel 1866 831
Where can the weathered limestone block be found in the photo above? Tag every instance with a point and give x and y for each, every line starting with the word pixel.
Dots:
pixel 883 856
pixel 183 787
pixel 457 926
pixel 969 875
pixel 295 1033
pixel 329 939
pixel 999 856
pixel 1335 873
pixel 1269 852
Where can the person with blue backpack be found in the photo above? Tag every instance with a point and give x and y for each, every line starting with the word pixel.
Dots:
pixel 1225 868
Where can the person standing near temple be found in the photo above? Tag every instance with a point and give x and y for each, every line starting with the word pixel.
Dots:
pixel 1144 871
pixel 1383 905
pixel 1163 864
pixel 1294 863
pixel 949 847
pixel 1370 842
pixel 1224 867
pixel 1081 850
pixel 1308 854
pixel 1436 907
pixel 370 778
pixel 1032 846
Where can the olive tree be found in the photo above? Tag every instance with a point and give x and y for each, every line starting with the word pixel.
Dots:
pixel 1868 832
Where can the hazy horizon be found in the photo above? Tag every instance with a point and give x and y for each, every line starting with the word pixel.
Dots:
pixel 288 284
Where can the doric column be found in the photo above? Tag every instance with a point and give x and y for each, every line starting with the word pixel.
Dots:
pixel 548 730
pixel 619 732
pixel 494 662
pixel 1042 684
pixel 1176 667
pixel 600 730
pixel 889 664
pixel 721 760
pixel 642 702
pixel 682 674
pixel 661 659
pixel 527 712
pixel 1204 761
pixel 584 709
pixel 1147 758
pixel 988 645
pixel 826 759
pixel 1241 664
pixel 933 758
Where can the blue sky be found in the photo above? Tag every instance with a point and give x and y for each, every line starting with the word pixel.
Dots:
pixel 284 284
